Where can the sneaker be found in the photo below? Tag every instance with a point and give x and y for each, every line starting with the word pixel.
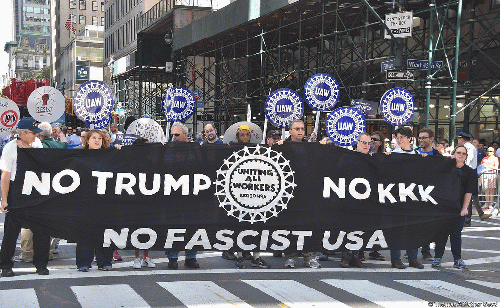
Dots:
pixel 416 264
pixel 83 269
pixel 7 272
pixel 406 256
pixel 356 262
pixel 191 263
pixel 228 255
pixel 20 258
pixel 485 216
pixel 105 268
pixel 42 271
pixel 323 257
pixel 344 263
pixel 247 255
pixel 436 263
pixel 240 262
pixel 427 256
pixel 290 263
pixel 459 264
pixel 137 263
pixel 116 256
pixel 172 264
pixel 375 255
pixel 259 263
pixel 398 264
pixel 313 263
pixel 147 262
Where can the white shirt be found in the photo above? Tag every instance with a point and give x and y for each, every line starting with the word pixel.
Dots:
pixel 471 159
pixel 8 162
pixel 400 150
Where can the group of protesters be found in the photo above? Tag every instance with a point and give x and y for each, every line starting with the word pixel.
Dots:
pixel 39 248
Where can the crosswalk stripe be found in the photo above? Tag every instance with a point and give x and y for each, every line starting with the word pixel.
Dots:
pixel 201 294
pixel 294 294
pixel 450 290
pixel 104 296
pixel 19 298
pixel 492 285
pixel 375 293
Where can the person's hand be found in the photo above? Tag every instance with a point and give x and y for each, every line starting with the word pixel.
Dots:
pixel 280 142
pixel 424 154
pixel 464 212
pixel 118 146
pixel 387 153
pixel 322 142
pixel 3 207
pixel 312 137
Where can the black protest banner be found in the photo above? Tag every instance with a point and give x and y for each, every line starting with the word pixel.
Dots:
pixel 293 197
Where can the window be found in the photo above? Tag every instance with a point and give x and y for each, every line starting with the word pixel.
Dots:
pixel 36 10
pixel 102 21
pixel 94 21
pixel 83 4
pixel 95 6
pixel 82 19
pixel 29 9
pixel 102 6
pixel 72 4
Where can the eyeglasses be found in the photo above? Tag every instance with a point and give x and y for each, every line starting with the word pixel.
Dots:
pixel 176 135
pixel 422 138
pixel 298 128
pixel 375 139
pixel 364 142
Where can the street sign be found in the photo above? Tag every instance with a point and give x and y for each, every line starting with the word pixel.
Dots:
pixel 387 65
pixel 422 65
pixel 400 24
pixel 400 75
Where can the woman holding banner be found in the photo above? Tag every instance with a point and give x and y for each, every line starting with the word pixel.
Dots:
pixel 468 185
pixel 94 140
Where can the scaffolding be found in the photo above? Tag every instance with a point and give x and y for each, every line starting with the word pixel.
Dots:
pixel 345 39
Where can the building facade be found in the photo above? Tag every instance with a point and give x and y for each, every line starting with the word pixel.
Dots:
pixel 31 17
pixel 80 13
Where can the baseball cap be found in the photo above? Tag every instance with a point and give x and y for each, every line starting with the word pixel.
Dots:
pixel 273 133
pixel 243 127
pixel 464 135
pixel 29 124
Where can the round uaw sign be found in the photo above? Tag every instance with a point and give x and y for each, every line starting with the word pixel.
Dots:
pixel 46 104
pixel 93 102
pixel 344 125
pixel 321 92
pixel 283 106
pixel 9 116
pixel 178 104
pixel 397 106
pixel 254 184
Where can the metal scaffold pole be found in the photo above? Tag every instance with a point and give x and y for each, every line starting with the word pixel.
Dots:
pixel 455 75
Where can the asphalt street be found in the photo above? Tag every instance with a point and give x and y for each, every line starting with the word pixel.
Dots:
pixel 219 284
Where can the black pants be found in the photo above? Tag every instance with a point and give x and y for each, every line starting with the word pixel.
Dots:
pixel 41 244
pixel 474 200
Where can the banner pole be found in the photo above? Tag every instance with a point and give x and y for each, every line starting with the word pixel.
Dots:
pixel 283 134
pixel 316 124
pixel 167 131
pixel 264 131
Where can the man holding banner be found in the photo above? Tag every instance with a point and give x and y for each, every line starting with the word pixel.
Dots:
pixel 27 130
pixel 210 135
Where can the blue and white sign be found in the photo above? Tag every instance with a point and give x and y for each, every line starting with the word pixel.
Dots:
pixel 125 139
pixel 93 102
pixel 178 104
pixel 387 65
pixel 344 125
pixel 82 73
pixel 321 92
pixel 397 106
pixel 283 106
pixel 422 65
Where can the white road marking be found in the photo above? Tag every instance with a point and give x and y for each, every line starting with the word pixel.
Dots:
pixel 104 296
pixel 294 294
pixel 19 298
pixel 492 285
pixel 450 290
pixel 201 294
pixel 482 237
pixel 476 261
pixel 377 294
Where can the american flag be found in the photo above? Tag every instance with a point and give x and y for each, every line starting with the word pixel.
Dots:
pixel 69 24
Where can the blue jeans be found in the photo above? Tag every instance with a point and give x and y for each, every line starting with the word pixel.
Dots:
pixel 396 254
pixel 171 254
pixel 455 234
pixel 85 256
pixel 348 254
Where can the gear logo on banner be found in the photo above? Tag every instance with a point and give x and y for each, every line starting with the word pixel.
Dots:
pixel 93 102
pixel 321 92
pixel 284 106
pixel 255 184
pixel 344 125
pixel 178 104
pixel 397 106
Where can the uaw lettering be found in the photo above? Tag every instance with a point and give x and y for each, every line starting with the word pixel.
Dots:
pixel 321 92
pixel 178 104
pixel 283 106
pixel 282 198
pixel 343 125
pixel 397 106
pixel 93 102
